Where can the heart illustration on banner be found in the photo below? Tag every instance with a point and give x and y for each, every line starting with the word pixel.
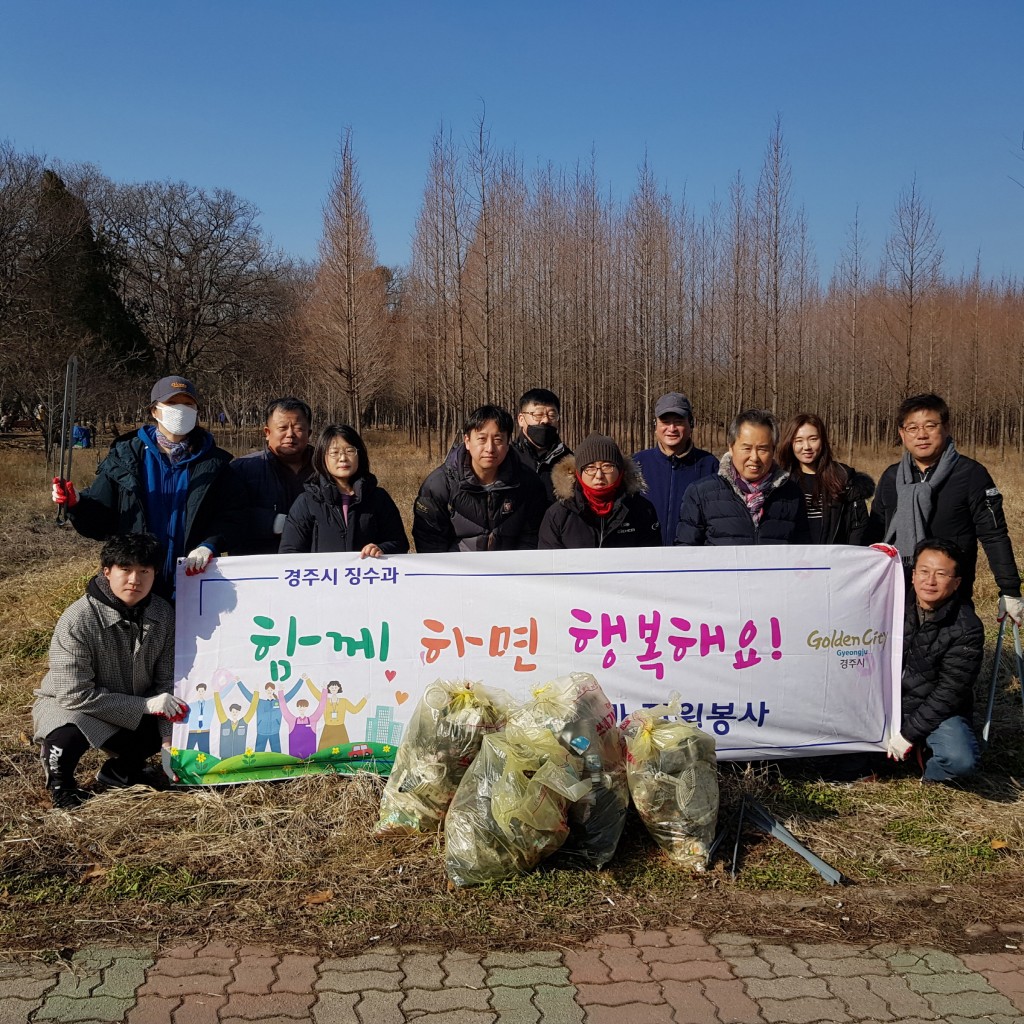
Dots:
pixel 389 675
pixel 401 696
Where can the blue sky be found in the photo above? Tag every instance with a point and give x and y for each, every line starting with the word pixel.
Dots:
pixel 253 96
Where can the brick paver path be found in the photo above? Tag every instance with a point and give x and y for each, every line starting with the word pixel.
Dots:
pixel 678 976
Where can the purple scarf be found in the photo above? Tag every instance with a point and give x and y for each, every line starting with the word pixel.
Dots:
pixel 754 494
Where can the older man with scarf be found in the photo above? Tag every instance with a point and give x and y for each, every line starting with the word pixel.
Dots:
pixel 934 491
pixel 751 500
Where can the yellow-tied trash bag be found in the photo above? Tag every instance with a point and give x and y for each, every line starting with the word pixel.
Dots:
pixel 511 807
pixel 443 737
pixel 576 710
pixel 673 779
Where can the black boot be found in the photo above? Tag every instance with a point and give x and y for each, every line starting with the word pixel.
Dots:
pixel 116 774
pixel 64 791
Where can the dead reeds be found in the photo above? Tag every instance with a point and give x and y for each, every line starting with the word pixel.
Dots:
pixel 294 863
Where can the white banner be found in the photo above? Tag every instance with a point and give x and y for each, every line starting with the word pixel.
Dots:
pixel 307 663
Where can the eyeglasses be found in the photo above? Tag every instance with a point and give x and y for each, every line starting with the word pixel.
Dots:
pixel 935 574
pixel 600 469
pixel 913 429
pixel 338 453
pixel 543 416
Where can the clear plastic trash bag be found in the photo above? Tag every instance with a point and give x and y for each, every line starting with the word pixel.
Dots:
pixel 673 779
pixel 443 737
pixel 511 808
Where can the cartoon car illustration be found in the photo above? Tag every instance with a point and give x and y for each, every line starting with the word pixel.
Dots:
pixel 360 750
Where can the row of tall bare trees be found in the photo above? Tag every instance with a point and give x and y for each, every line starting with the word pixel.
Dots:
pixel 520 279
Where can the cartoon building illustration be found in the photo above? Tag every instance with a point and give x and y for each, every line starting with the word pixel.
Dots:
pixel 381 729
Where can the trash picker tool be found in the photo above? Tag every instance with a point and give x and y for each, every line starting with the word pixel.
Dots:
pixel 995 679
pixel 67 424
pixel 1020 660
pixel 760 818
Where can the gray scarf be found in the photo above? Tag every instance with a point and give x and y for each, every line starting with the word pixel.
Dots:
pixel 909 525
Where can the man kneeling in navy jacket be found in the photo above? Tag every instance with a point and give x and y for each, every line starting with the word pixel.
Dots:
pixel 943 644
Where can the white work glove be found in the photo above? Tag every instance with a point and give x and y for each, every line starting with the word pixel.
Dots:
pixel 279 520
pixel 1012 606
pixel 197 560
pixel 166 705
pixel 898 746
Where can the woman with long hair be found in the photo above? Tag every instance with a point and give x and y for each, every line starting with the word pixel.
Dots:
pixel 342 508
pixel 836 494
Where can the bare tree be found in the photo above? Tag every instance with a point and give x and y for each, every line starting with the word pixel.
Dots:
pixel 775 235
pixel 913 259
pixel 347 313
pixel 191 265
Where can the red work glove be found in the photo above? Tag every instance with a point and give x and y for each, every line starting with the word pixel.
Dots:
pixel 886 549
pixel 64 492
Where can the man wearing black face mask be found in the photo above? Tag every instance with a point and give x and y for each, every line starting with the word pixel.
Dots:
pixel 538 444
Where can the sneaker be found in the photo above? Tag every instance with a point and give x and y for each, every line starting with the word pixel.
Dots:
pixel 114 776
pixel 68 797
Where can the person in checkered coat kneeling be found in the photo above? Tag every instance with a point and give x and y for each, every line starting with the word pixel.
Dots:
pixel 111 676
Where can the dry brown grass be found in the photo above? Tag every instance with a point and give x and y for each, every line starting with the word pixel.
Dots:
pixel 292 863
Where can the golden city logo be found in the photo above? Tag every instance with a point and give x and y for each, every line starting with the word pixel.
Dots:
pixel 846 641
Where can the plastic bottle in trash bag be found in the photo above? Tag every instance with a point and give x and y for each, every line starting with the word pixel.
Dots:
pixel 576 710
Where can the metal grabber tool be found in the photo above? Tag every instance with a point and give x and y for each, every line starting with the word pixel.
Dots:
pixel 67 425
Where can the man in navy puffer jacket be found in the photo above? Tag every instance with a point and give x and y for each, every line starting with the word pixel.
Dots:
pixel 750 500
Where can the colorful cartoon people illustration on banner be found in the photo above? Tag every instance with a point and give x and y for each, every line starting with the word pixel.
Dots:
pixel 335 732
pixel 302 722
pixel 268 716
pixel 234 726
pixel 199 719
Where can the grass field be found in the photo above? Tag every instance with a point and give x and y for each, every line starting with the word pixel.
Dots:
pixel 293 862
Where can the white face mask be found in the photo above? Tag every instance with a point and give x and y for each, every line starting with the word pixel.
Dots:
pixel 176 419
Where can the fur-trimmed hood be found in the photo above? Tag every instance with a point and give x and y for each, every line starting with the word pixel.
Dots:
pixel 859 486
pixel 563 478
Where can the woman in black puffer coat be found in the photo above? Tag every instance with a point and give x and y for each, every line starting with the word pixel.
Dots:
pixel 836 494
pixel 599 505
pixel 342 508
